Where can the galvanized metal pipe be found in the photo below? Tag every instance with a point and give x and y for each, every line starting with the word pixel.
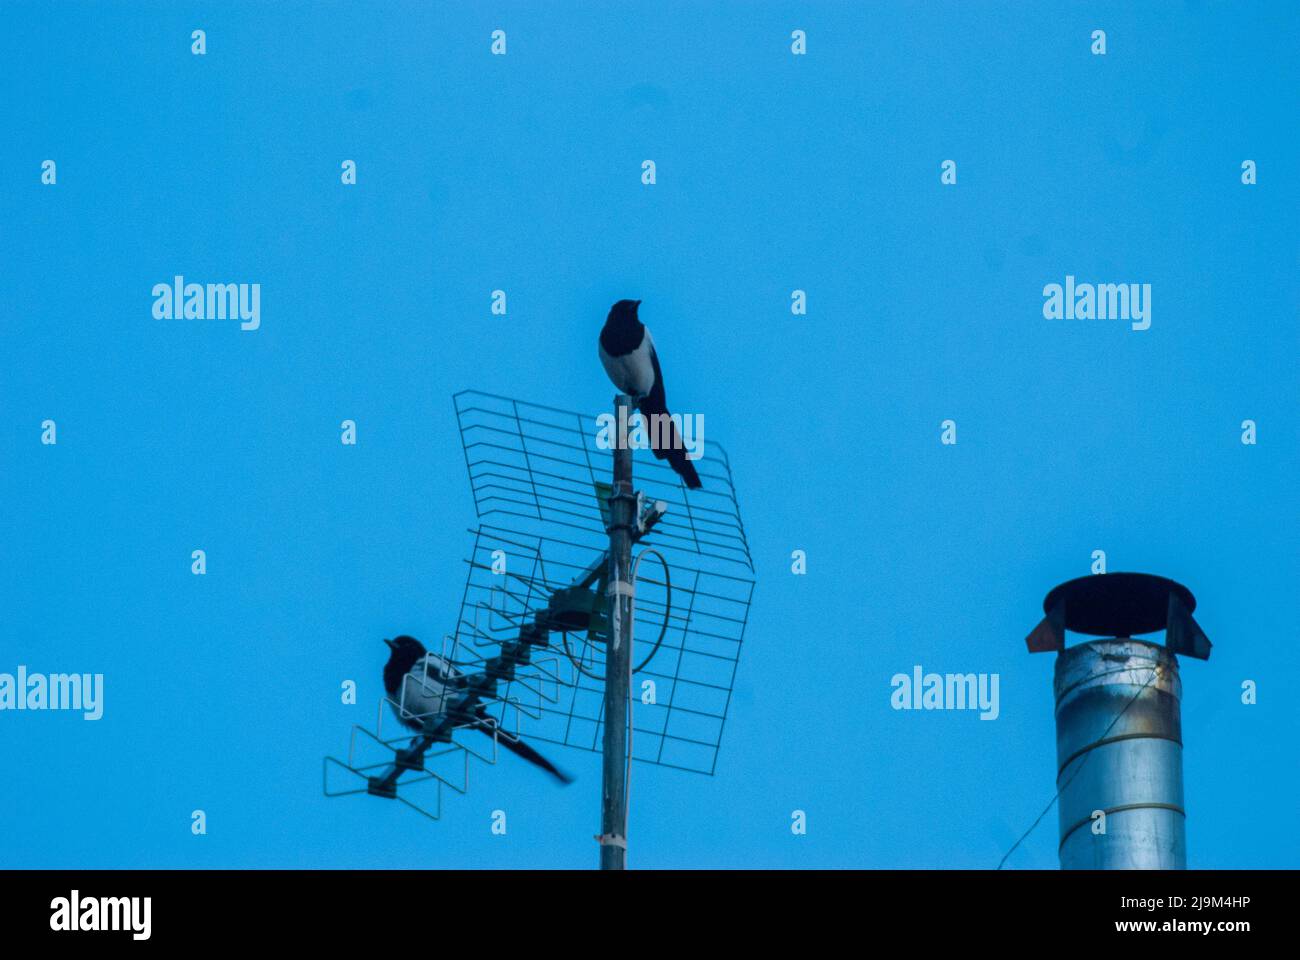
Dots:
pixel 1119 751
pixel 618 652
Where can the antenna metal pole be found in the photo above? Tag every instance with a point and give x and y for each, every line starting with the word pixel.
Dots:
pixel 618 653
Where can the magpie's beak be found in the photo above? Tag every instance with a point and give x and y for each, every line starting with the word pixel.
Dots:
pixel 391 645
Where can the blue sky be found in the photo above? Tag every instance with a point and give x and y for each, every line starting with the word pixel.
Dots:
pixel 522 172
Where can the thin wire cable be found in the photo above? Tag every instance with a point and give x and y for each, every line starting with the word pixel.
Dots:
pixel 663 629
pixel 631 728
pixel 668 604
pixel 1155 672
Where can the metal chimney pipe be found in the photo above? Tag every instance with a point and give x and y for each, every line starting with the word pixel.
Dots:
pixel 1119 751
pixel 1119 745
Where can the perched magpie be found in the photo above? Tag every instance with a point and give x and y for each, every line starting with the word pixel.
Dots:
pixel 431 688
pixel 628 353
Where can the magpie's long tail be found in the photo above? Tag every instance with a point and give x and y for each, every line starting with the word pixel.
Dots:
pixel 521 749
pixel 668 447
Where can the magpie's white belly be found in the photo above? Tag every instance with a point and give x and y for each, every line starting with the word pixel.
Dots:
pixel 632 373
pixel 422 697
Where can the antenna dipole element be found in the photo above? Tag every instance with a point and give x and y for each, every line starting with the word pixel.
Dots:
pixel 618 652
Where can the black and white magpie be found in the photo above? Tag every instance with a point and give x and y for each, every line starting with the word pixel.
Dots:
pixel 423 685
pixel 627 352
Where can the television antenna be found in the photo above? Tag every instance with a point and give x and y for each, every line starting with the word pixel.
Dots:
pixel 558 617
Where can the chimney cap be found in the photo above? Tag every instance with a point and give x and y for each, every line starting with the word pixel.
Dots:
pixel 1118 604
